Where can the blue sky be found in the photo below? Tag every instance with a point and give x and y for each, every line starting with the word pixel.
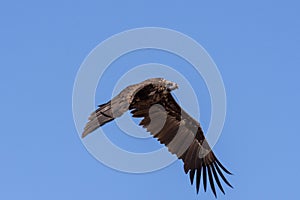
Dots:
pixel 254 44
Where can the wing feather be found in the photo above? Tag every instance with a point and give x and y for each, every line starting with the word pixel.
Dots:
pixel 117 106
pixel 192 175
pixel 184 137
pixel 217 178
pixel 198 178
pixel 211 181
pixel 170 124
pixel 204 178
pixel 98 118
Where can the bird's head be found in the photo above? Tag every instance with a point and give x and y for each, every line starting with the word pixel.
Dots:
pixel 170 85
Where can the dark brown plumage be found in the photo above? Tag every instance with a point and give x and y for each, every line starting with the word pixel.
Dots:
pixel 169 123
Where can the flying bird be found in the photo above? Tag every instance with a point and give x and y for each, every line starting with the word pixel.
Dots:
pixel 152 101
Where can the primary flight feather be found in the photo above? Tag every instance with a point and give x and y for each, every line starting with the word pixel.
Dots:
pixel 169 123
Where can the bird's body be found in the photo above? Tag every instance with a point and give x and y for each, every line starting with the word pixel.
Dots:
pixel 169 123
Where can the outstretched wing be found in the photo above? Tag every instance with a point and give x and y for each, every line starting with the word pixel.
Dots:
pixel 183 136
pixel 115 107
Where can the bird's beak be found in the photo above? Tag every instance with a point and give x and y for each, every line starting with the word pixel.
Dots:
pixel 175 86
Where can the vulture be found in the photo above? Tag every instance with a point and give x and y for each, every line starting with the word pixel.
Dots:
pixel 152 101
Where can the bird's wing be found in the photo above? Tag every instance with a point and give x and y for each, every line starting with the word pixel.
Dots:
pixel 115 107
pixel 183 136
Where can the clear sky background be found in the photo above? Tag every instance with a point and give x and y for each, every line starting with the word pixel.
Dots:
pixel 255 45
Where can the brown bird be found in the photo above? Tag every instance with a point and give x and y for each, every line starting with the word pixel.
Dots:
pixel 169 123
